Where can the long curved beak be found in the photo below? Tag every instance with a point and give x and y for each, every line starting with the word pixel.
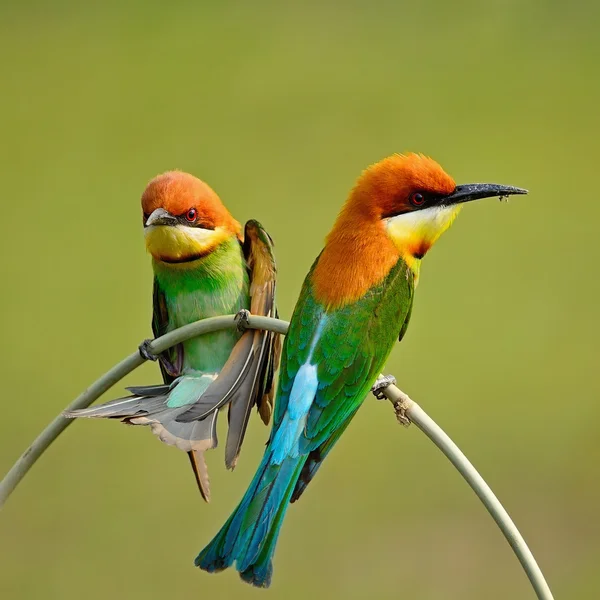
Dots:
pixel 161 217
pixel 475 191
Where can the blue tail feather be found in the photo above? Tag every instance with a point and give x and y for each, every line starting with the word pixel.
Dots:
pixel 249 536
pixel 260 573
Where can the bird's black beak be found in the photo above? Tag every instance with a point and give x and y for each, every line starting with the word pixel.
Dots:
pixel 475 191
pixel 161 217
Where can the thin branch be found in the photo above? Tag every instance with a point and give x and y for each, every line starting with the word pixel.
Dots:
pixel 118 372
pixel 403 406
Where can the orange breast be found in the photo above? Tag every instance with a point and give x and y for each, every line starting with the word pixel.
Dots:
pixel 358 255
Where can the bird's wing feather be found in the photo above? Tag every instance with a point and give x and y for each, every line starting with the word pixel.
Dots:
pixel 350 351
pixel 258 247
pixel 316 458
pixel 171 360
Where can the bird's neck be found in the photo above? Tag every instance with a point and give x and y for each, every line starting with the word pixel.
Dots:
pixel 223 267
pixel 358 255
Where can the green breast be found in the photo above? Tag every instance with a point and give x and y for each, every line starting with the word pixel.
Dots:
pixel 213 286
pixel 349 345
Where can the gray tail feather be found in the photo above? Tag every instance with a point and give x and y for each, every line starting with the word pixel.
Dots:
pixel 239 384
pixel 194 438
pixel 200 472
pixel 122 407
pixel 150 408
pixel 149 390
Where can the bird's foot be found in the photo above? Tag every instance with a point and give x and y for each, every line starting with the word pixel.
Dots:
pixel 400 401
pixel 242 318
pixel 380 384
pixel 145 352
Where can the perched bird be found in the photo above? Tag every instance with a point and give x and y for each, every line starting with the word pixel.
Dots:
pixel 203 268
pixel 355 303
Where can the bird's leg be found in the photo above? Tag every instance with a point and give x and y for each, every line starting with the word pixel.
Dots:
pixel 145 352
pixel 380 384
pixel 242 318
pixel 400 401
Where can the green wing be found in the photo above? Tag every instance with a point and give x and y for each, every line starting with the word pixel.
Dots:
pixel 349 347
pixel 171 360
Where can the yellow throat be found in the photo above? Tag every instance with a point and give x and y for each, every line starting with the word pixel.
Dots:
pixel 413 233
pixel 179 243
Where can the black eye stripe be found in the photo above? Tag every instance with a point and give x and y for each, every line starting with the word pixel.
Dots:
pixel 199 223
pixel 407 205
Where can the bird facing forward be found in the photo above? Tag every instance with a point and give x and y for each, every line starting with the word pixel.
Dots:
pixel 355 303
pixel 203 268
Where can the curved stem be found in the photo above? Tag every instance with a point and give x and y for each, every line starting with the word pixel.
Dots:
pixel 118 372
pixel 405 406
pixel 402 404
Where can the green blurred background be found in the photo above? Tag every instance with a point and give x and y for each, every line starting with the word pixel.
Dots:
pixel 279 106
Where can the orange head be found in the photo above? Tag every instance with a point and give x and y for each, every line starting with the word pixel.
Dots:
pixel 412 199
pixel 398 208
pixel 184 219
pixel 399 184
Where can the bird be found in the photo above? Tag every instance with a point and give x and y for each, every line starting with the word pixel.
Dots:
pixel 203 267
pixel 355 302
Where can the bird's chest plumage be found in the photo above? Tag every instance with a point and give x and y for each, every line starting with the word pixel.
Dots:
pixel 188 305
pixel 334 355
pixel 212 289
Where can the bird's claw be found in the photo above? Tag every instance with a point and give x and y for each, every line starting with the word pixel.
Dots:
pixel 380 384
pixel 242 318
pixel 145 352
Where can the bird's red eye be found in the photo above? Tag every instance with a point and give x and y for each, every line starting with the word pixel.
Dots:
pixel 191 215
pixel 417 199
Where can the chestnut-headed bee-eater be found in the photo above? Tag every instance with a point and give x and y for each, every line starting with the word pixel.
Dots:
pixel 203 268
pixel 355 303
